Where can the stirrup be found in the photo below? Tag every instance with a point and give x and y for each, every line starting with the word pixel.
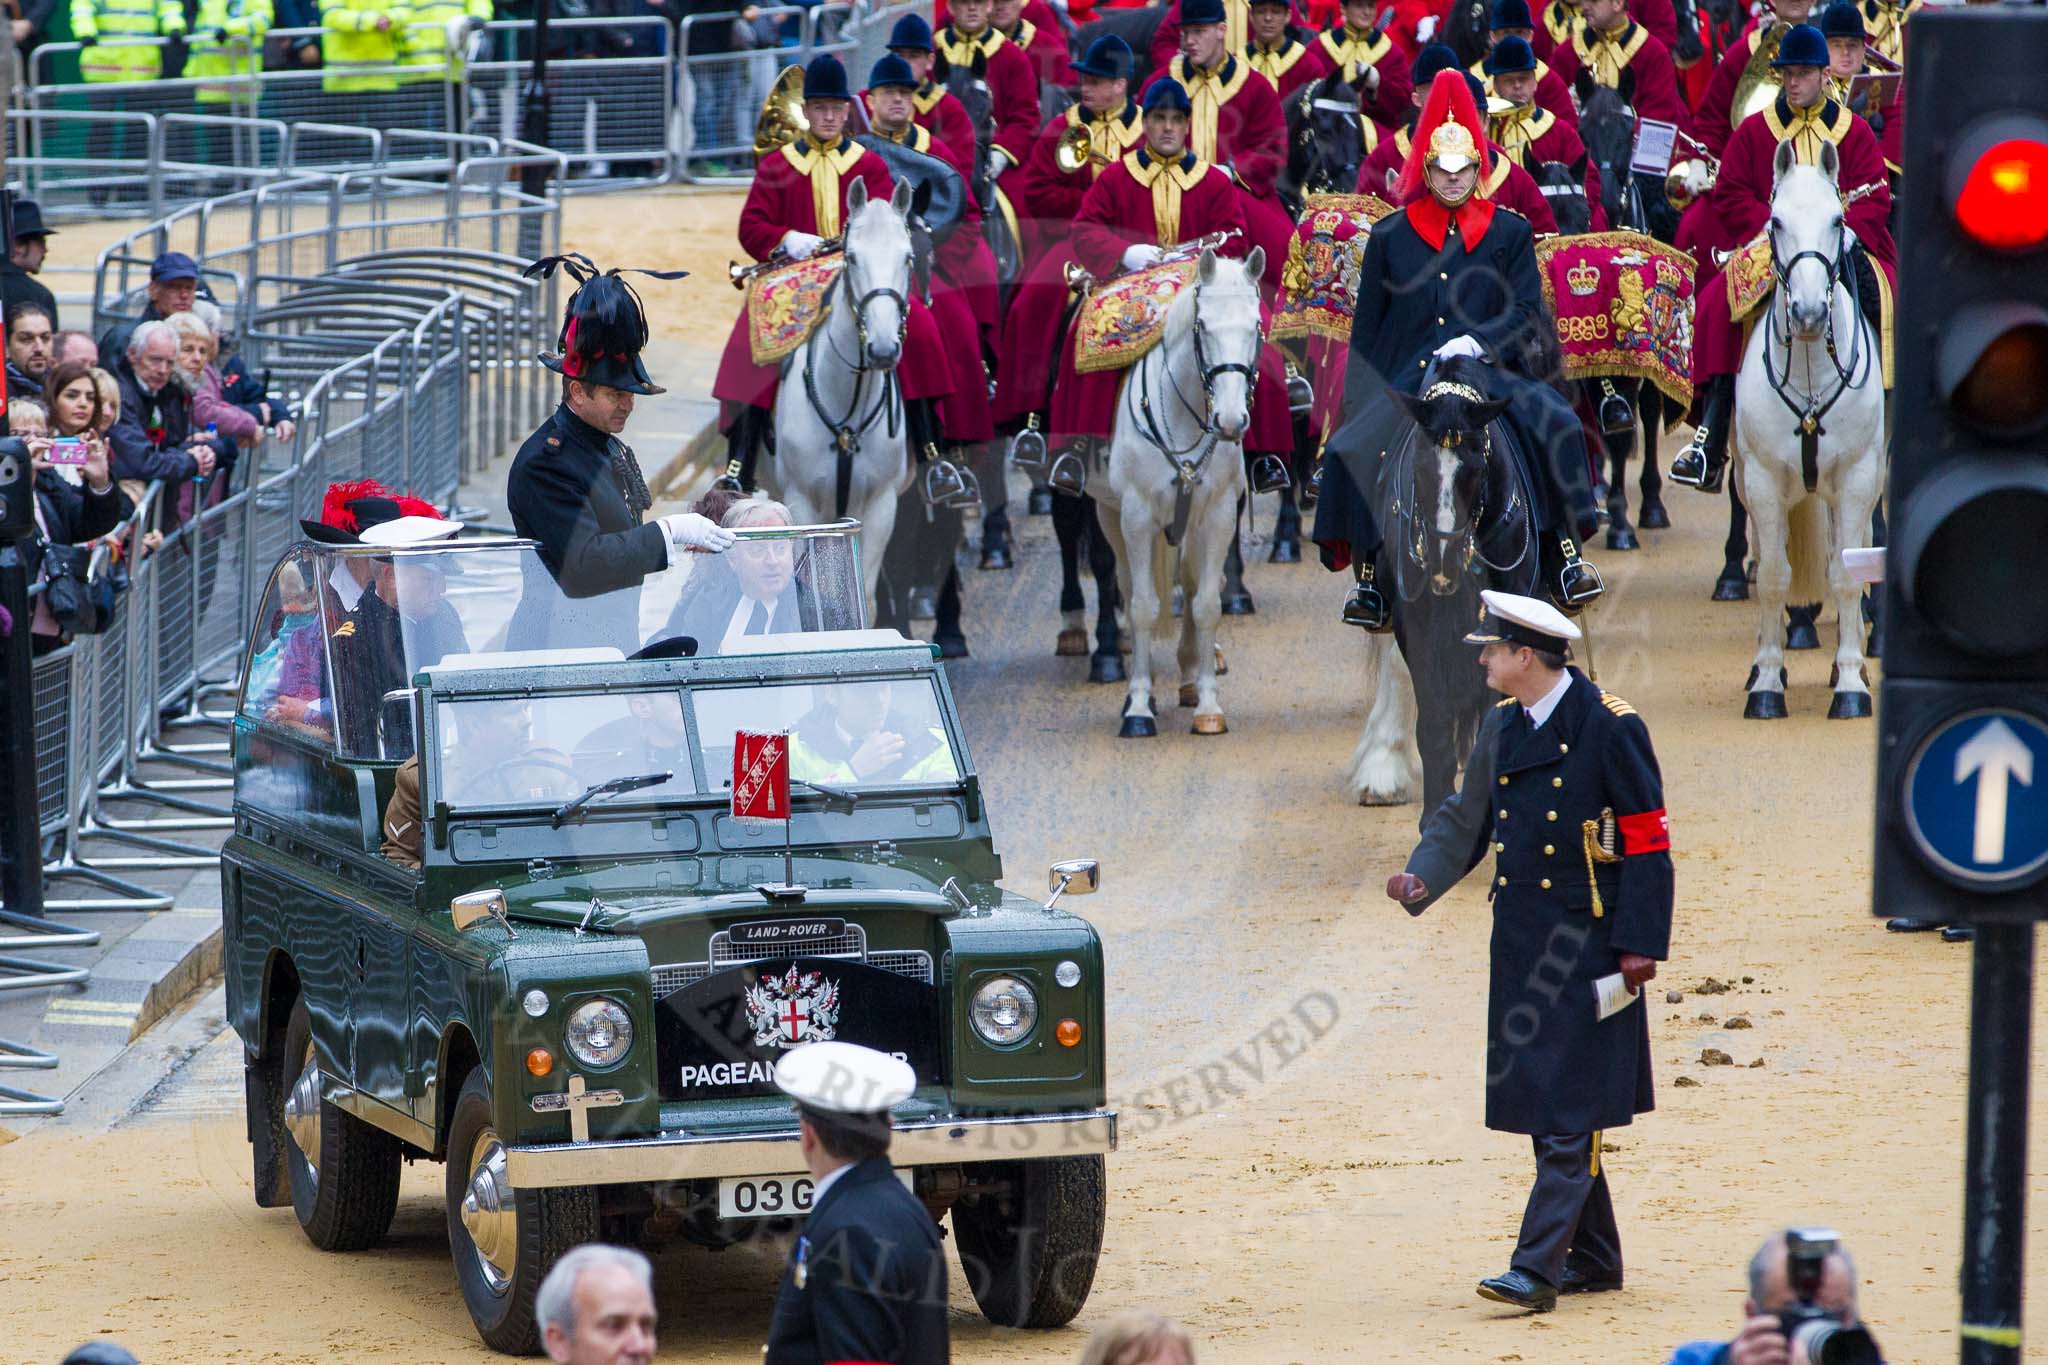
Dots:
pixel 1311 488
pixel 1300 396
pixel 1269 473
pixel 1691 466
pixel 1615 414
pixel 1365 607
pixel 945 484
pixel 1027 449
pixel 1578 582
pixel 1068 474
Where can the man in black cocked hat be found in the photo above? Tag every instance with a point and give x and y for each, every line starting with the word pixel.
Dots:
pixel 576 488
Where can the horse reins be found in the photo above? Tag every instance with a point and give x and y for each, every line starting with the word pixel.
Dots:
pixel 846 432
pixel 1414 532
pixel 1808 413
pixel 1188 472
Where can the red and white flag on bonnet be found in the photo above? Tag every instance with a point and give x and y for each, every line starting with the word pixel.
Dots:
pixel 760 776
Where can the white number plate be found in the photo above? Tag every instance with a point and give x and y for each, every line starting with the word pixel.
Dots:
pixel 772 1196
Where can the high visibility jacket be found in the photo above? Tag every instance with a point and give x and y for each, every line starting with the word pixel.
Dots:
pixel 229 69
pixel 356 53
pixel 120 37
pixel 426 37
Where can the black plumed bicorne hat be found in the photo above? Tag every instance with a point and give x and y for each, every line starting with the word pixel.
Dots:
pixel 604 328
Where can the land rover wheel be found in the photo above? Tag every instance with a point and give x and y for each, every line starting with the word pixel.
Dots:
pixel 344 1172
pixel 504 1240
pixel 1029 1243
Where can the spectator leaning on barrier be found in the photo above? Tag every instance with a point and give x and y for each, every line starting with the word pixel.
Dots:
pixel 198 345
pixel 25 261
pixel 173 285
pixel 28 348
pixel 249 389
pixel 227 50
pixel 431 81
pixel 361 47
pixel 151 435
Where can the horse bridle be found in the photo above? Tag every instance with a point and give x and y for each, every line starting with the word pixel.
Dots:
pixel 1188 472
pixel 1424 530
pixel 846 431
pixel 1811 408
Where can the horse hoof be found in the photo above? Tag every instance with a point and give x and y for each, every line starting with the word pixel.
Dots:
pixel 922 603
pixel 1107 668
pixel 1040 504
pixel 1222 664
pixel 996 557
pixel 951 646
pixel 1238 603
pixel 1801 634
pixel 1621 536
pixel 1210 725
pixel 1849 706
pixel 1652 516
pixel 1285 552
pixel 1137 727
pixel 1073 643
pixel 1764 706
pixel 1190 695
pixel 1731 586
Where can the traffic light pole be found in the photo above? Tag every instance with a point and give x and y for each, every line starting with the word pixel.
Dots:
pixel 1995 1167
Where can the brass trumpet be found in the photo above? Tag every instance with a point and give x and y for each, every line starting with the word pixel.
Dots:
pixel 740 274
pixel 1076 149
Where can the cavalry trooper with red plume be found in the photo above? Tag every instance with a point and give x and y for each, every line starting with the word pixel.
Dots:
pixel 1613 50
pixel 1804 116
pixel 1510 19
pixel 1158 197
pixel 1237 125
pixel 1506 184
pixel 577 489
pixel 1277 52
pixel 1452 274
pixel 1052 193
pixel 1369 60
pixel 935 107
pixel 796 206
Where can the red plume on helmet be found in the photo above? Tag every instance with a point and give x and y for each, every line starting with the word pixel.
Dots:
pixel 334 507
pixel 1450 101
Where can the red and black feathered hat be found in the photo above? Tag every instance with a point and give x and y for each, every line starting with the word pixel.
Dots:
pixel 1448 127
pixel 603 328
pixel 348 509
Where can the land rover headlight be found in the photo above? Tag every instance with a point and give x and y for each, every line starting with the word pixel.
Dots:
pixel 1004 1010
pixel 599 1032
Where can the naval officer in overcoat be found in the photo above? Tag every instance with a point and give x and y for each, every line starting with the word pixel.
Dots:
pixel 866 1282
pixel 1563 787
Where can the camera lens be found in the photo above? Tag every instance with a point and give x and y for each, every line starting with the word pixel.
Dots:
pixel 1829 1343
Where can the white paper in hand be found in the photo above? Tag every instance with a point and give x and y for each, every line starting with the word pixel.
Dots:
pixel 1611 995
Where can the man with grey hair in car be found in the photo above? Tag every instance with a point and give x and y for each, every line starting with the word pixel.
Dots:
pixel 596 1307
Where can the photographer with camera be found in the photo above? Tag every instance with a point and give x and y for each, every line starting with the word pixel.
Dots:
pixel 1801 1309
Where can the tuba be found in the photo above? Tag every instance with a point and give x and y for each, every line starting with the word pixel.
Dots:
pixel 1758 84
pixel 781 120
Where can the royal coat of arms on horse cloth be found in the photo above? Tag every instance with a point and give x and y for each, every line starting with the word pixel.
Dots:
pixel 794 1007
pixel 1123 318
pixel 1319 285
pixel 785 305
pixel 1624 308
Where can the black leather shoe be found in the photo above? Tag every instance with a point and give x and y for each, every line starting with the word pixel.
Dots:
pixel 1577 1281
pixel 1311 488
pixel 1578 584
pixel 1367 609
pixel 1912 924
pixel 1269 474
pixel 1521 1289
pixel 1958 933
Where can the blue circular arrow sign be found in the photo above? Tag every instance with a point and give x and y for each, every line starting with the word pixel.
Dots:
pixel 1977 798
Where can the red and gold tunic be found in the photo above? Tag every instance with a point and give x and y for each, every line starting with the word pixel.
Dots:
pixel 1633 49
pixel 936 108
pixel 1351 51
pixel 1047 49
pixel 1551 91
pixel 1289 64
pixel 1712 123
pixel 1011 80
pixel 1557 20
pixel 1237 31
pixel 1238 125
pixel 1531 136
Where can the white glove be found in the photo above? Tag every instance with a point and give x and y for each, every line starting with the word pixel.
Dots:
pixel 800 245
pixel 1426 29
pixel 694 531
pixel 1460 346
pixel 1372 80
pixel 1140 256
pixel 1003 166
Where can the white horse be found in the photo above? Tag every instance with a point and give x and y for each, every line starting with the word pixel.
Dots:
pixel 1809 432
pixel 1176 473
pixel 841 448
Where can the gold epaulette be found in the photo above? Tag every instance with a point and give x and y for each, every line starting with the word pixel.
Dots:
pixel 1504 701
pixel 1616 704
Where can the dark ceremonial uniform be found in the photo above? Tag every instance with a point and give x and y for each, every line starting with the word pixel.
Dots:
pixel 578 491
pixel 1634 49
pixel 1573 811
pixel 1237 125
pixel 1028 355
pixel 1432 274
pixel 1351 51
pixel 866 1281
pixel 1289 64
pixel 376 650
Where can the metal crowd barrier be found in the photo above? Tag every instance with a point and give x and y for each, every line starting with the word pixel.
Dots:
pixel 722 90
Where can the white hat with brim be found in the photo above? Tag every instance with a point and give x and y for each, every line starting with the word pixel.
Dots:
pixel 1509 618
pixel 844 1080
pixel 409 531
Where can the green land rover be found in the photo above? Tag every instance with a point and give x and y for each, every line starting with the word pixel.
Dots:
pixel 486 903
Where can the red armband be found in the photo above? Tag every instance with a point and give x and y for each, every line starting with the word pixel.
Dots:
pixel 1649 832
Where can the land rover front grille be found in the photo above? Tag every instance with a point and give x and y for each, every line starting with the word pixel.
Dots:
pixel 911 962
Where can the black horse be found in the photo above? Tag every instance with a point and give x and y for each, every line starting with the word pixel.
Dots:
pixel 1564 189
pixel 1325 142
pixel 1464 30
pixel 1454 506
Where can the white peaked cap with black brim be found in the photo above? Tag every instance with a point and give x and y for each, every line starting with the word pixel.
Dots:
pixel 1509 618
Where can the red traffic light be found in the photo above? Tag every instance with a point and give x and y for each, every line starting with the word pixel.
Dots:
pixel 1998 183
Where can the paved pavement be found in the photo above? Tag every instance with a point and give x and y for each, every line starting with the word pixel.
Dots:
pixel 149 961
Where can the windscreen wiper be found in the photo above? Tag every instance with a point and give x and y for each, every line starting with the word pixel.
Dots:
pixel 579 809
pixel 836 798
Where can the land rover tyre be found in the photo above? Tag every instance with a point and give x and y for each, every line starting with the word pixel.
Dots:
pixel 504 1241
pixel 1029 1246
pixel 343 1171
